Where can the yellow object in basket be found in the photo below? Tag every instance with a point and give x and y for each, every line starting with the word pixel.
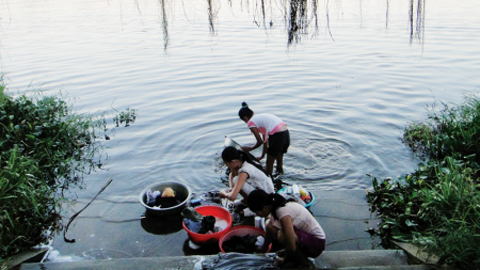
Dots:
pixel 168 193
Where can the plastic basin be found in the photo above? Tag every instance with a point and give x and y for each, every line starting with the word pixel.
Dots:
pixel 212 238
pixel 242 230
pixel 182 193
pixel 306 205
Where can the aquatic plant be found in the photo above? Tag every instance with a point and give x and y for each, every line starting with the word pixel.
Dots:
pixel 128 116
pixel 437 206
pixel 45 148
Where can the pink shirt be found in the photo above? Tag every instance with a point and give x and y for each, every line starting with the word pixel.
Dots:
pixel 266 123
pixel 301 219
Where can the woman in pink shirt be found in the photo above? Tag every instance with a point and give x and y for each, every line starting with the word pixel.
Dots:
pixel 271 132
pixel 291 224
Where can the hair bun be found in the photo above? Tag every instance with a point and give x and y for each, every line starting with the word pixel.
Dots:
pixel 244 105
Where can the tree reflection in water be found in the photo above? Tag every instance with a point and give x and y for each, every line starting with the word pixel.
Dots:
pixel 296 17
pixel 164 24
pixel 417 21
pixel 300 17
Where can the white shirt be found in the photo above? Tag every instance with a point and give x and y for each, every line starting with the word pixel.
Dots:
pixel 256 179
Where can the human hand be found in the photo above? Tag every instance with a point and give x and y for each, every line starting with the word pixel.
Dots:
pixel 278 261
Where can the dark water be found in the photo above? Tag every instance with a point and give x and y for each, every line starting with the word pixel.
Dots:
pixel 346 76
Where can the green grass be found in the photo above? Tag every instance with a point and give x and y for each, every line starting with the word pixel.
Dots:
pixel 438 205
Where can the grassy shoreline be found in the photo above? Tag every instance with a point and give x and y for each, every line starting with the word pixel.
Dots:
pixel 437 207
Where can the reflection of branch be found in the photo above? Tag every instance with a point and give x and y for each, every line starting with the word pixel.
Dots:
pixel 420 20
pixel 328 21
pixel 386 15
pixel 298 20
pixel 263 12
pixel 210 16
pixel 411 20
pixel 418 33
pixel 165 25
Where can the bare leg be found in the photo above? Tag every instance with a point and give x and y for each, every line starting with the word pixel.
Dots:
pixel 270 162
pixel 280 163
pixel 297 258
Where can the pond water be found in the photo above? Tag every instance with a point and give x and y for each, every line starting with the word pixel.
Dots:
pixel 346 76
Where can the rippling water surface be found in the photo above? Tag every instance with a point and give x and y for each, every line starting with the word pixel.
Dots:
pixel 346 76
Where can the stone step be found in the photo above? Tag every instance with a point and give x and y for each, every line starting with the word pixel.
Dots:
pixel 396 267
pixel 359 258
pixel 351 260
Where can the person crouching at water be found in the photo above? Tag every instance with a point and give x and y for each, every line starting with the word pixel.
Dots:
pixel 276 137
pixel 291 224
pixel 245 175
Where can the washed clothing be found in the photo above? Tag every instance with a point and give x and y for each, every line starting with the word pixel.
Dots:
pixel 256 179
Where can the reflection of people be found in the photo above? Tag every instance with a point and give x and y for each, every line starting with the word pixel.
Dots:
pixel 244 175
pixel 291 224
pixel 276 137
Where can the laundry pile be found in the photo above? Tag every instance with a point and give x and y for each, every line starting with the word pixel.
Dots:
pixel 198 223
pixel 162 199
pixel 243 244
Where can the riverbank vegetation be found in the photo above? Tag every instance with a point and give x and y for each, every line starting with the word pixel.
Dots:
pixel 437 207
pixel 45 149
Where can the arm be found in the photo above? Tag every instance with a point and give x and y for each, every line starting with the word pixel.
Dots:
pixel 270 235
pixel 259 140
pixel 264 151
pixel 292 253
pixel 233 193
pixel 289 236
pixel 230 184
pixel 231 176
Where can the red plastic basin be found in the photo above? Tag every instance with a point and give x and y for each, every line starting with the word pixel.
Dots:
pixel 217 212
pixel 242 230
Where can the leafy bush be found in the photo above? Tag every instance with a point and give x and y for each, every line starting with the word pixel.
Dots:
pixel 438 205
pixel 44 148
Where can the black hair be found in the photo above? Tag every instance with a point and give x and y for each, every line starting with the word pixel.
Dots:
pixel 230 153
pixel 245 111
pixel 258 199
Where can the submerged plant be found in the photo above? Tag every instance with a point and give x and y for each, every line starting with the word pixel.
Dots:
pixel 128 116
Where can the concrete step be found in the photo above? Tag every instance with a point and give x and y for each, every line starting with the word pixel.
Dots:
pixel 396 267
pixel 360 258
pixel 351 260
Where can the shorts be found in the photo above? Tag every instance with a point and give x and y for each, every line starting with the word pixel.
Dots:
pixel 278 143
pixel 310 245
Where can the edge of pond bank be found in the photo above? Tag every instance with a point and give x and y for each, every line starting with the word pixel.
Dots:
pixel 343 214
pixel 360 259
pixel 31 255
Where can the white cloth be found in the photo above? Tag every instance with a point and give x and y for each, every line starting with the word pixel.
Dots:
pixel 260 242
